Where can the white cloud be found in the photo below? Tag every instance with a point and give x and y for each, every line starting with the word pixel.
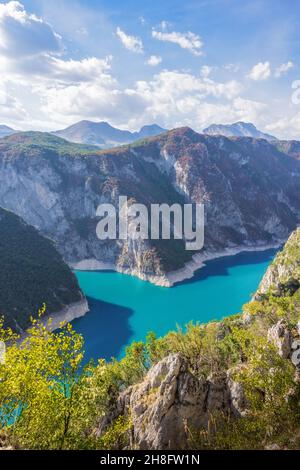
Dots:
pixel 11 109
pixel 80 70
pixel 247 110
pixel 232 67
pixel 39 87
pixel 189 41
pixel 92 101
pixel 174 83
pixel 172 97
pixel 23 34
pixel 132 43
pixel 260 71
pixel 283 69
pixel 287 127
pixel 206 71
pixel 154 60
pixel 165 25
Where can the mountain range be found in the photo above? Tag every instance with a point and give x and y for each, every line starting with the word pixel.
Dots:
pixel 238 129
pixel 104 135
pixel 250 189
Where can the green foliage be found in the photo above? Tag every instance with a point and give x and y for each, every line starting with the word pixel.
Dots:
pixel 273 399
pixel 44 389
pixel 35 143
pixel 117 436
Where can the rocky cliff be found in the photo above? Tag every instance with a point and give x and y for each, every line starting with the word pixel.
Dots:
pixel 283 275
pixel 170 401
pixel 249 188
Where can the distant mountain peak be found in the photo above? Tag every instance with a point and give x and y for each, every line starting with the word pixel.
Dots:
pixel 104 135
pixel 5 131
pixel 238 129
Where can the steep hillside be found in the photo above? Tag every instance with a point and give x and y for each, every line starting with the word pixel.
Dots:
pixel 104 135
pixel 32 273
pixel 238 129
pixel 249 187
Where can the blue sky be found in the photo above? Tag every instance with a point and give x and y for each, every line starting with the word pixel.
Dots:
pixel 136 62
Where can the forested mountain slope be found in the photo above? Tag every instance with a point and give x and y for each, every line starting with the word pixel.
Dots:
pixel 32 273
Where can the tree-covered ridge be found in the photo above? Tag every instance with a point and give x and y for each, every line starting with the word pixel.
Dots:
pixel 31 272
pixel 33 142
pixel 236 376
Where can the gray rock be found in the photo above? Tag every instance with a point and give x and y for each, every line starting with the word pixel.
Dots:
pixel 237 394
pixel 171 402
pixel 280 336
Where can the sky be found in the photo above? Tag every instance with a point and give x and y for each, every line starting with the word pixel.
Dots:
pixel 167 62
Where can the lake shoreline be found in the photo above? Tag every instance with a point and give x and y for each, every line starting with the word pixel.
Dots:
pixel 67 314
pixel 123 309
pixel 174 277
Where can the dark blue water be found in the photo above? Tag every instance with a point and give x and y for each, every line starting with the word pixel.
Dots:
pixel 124 308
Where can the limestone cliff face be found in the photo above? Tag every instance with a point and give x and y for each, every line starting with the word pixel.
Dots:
pixel 171 401
pixel 284 273
pixel 250 190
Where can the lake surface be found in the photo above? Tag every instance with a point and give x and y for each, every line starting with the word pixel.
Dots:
pixel 124 308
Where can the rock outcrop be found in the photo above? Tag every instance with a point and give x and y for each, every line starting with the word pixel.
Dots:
pixel 5 443
pixel 280 336
pixel 283 275
pixel 171 402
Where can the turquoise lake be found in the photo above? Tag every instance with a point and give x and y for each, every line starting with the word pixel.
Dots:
pixel 124 309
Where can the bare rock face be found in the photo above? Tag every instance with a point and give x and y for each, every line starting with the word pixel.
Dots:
pixel 164 405
pixel 5 444
pixel 280 336
pixel 171 402
pixel 237 396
